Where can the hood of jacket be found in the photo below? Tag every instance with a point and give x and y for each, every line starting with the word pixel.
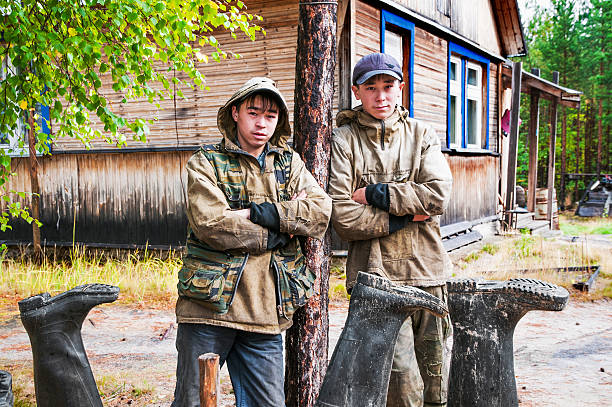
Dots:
pixel 227 125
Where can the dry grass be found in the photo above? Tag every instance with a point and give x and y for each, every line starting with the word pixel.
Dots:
pixel 516 254
pixel 144 278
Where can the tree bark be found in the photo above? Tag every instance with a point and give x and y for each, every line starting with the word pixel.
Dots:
pixel 599 135
pixel 563 157
pixel 587 137
pixel 34 186
pixel 307 340
pixel 578 152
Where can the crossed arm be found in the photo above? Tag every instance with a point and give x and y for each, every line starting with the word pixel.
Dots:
pixel 249 229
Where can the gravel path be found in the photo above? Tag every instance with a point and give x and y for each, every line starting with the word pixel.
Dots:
pixel 561 358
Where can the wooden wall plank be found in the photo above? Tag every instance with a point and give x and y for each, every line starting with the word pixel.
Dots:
pixel 474 193
pixel 367 20
pixel 121 199
pixel 430 81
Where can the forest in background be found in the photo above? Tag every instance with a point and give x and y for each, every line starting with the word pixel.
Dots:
pixel 572 37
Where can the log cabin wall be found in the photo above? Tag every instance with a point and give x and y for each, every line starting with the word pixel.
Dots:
pixel 111 200
pixel 193 120
pixel 473 19
pixel 133 198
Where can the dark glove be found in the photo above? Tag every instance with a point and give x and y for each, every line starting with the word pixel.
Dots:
pixel 266 215
pixel 276 240
pixel 398 222
pixel 377 195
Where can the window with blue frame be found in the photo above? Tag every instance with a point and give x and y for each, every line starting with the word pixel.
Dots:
pixel 397 39
pixel 10 142
pixel 468 99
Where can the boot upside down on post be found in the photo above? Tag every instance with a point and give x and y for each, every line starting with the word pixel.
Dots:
pixel 359 370
pixel 484 315
pixel 62 374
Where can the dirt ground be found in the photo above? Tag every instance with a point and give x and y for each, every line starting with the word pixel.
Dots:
pixel 561 358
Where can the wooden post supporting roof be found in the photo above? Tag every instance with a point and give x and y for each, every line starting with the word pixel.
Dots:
pixel 551 154
pixel 513 149
pixel 534 124
pixel 307 340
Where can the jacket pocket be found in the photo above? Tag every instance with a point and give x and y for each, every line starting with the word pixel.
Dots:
pixel 399 245
pixel 295 279
pixel 210 280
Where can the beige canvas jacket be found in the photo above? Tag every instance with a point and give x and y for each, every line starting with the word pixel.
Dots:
pixel 404 153
pixel 254 307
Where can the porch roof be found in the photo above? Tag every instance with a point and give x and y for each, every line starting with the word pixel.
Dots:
pixel 548 90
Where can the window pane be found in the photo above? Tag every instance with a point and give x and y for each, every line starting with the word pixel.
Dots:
pixel 453 71
pixel 393 46
pixel 472 77
pixel 453 120
pixel 472 122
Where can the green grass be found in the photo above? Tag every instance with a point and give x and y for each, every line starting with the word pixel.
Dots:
pixel 577 226
pixel 490 248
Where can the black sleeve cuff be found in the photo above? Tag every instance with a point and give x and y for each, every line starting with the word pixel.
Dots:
pixel 377 195
pixel 276 240
pixel 398 222
pixel 266 215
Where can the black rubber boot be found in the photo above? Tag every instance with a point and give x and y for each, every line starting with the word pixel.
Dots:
pixel 484 314
pixel 6 389
pixel 62 374
pixel 359 370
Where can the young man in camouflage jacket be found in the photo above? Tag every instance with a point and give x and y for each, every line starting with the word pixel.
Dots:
pixel 244 274
pixel 389 183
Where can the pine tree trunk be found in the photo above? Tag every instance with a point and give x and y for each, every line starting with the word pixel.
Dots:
pixel 563 157
pixel 599 136
pixel 587 137
pixel 307 340
pixel 578 152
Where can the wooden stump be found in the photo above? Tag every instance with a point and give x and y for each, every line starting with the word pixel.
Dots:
pixel 209 379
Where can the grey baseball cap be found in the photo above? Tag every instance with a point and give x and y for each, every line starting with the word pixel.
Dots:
pixel 376 64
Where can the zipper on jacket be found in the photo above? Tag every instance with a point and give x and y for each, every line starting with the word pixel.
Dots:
pixel 278 292
pixel 246 256
pixel 382 134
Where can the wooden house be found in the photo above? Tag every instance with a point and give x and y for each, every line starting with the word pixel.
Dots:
pixel 453 54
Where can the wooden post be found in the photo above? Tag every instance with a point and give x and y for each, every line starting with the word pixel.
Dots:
pixel 34 186
pixel 534 126
pixel 513 149
pixel 307 340
pixel 209 379
pixel 551 154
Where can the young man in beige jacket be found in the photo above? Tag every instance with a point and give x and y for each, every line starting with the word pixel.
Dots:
pixel 244 273
pixel 389 183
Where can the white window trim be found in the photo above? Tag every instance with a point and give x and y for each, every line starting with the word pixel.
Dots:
pixel 474 92
pixel 455 90
pixel 12 147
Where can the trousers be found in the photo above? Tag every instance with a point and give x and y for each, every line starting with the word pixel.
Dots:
pixel 254 362
pixel 421 363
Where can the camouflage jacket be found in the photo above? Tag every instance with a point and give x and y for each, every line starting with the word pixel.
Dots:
pixel 261 288
pixel 405 154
